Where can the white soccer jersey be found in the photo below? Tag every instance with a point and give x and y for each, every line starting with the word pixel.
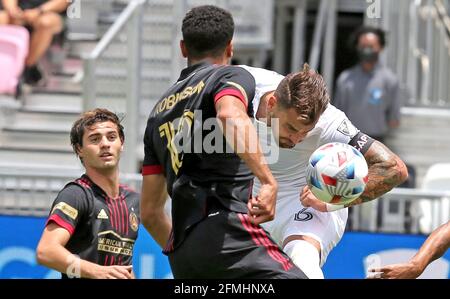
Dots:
pixel 289 169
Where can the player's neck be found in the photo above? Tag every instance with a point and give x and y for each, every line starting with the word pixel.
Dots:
pixel 108 180
pixel 211 60
pixel 261 112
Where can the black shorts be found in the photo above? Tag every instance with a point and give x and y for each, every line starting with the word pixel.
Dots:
pixel 226 245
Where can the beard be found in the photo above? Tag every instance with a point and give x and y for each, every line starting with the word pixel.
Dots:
pixel 285 143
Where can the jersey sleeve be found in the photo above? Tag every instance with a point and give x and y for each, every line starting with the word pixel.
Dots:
pixel 235 81
pixel 151 164
pixel 69 207
pixel 336 127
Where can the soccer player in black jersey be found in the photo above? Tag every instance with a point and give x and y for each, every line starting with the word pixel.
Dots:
pixel 94 221
pixel 214 231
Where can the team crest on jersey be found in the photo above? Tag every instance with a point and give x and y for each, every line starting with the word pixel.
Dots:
pixel 134 222
pixel 346 128
pixel 102 215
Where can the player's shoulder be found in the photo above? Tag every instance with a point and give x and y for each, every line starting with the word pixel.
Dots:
pixel 75 194
pixel 331 115
pixel 261 74
pixel 232 69
pixel 334 122
pixel 73 188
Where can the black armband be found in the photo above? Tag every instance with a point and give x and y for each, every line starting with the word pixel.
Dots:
pixel 361 142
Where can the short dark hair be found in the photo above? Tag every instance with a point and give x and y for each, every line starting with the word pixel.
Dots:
pixel 305 91
pixel 90 118
pixel 354 37
pixel 207 30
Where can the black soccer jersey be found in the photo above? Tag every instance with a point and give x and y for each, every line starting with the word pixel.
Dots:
pixel 181 134
pixel 103 229
pixel 183 141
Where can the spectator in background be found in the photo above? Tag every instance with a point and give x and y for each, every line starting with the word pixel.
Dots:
pixel 369 92
pixel 43 19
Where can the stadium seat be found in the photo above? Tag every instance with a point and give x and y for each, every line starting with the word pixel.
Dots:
pixel 13 51
pixel 435 213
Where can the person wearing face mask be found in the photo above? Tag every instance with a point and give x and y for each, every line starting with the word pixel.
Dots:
pixel 369 92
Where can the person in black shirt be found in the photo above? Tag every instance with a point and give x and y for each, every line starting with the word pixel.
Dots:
pixel 214 231
pixel 94 221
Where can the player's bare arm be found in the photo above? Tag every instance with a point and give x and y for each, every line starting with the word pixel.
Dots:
pixel 153 216
pixel 434 247
pixel 52 253
pixel 386 170
pixel 240 132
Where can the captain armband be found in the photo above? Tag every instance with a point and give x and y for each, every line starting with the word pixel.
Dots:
pixel 361 142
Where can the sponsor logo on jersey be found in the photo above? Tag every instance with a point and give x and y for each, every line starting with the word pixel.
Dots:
pixel 134 222
pixel 102 215
pixel 66 209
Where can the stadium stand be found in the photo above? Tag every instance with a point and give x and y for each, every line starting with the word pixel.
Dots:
pixel 94 71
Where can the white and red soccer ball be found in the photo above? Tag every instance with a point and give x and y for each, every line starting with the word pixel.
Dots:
pixel 337 173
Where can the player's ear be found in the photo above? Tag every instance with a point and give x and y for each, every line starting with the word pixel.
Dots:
pixel 229 49
pixel 184 51
pixel 79 151
pixel 272 102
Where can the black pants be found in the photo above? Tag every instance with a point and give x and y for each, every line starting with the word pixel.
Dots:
pixel 227 245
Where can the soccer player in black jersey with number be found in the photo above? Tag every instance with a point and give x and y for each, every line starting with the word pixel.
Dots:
pixel 214 231
pixel 94 221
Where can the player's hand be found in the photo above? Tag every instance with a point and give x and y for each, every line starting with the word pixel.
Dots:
pixel 395 271
pixel 309 200
pixel 262 207
pixel 115 272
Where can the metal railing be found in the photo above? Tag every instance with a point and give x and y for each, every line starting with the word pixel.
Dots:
pixel 402 210
pixel 131 19
pixel 30 192
pixel 418 48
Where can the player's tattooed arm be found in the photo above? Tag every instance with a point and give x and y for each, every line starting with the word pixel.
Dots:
pixel 386 171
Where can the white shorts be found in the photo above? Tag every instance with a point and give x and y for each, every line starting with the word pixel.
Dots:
pixel 291 218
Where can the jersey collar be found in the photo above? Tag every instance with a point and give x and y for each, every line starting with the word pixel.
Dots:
pixel 190 69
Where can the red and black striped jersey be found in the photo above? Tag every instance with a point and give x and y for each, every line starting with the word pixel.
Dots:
pixel 103 230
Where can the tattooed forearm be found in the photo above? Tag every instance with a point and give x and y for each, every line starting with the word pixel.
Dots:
pixel 386 170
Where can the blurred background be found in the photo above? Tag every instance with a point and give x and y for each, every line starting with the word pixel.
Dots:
pixel 122 55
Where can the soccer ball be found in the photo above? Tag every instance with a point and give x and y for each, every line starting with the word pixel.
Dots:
pixel 337 173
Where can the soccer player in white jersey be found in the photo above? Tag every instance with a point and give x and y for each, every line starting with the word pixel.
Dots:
pixel 307 229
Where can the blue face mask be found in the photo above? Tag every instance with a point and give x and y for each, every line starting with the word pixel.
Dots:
pixel 367 54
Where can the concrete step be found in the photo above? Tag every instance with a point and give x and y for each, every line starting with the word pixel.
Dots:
pixel 12 156
pixel 60 85
pixel 54 102
pixel 41 118
pixel 41 139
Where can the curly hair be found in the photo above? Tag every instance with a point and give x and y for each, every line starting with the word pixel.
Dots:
pixel 305 91
pixel 207 30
